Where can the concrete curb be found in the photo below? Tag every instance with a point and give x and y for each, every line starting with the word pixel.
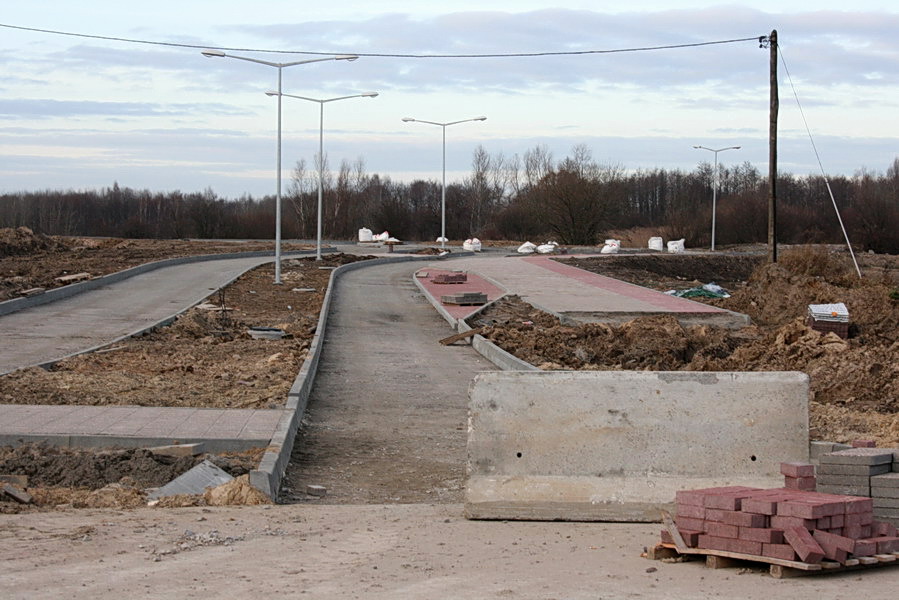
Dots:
pixel 481 345
pixel 17 304
pixel 435 303
pixel 211 445
pixel 267 477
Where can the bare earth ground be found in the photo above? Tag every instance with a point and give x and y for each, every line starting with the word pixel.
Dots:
pixel 29 260
pixel 373 551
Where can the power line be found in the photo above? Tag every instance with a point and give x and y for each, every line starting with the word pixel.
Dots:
pixel 379 54
pixel 820 164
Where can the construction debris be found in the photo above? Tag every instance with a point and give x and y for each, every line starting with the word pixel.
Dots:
pixel 73 277
pixel 20 496
pixel 461 336
pixel 194 481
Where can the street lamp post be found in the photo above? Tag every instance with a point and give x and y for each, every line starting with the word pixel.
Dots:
pixel 715 184
pixel 443 185
pixel 321 164
pixel 280 66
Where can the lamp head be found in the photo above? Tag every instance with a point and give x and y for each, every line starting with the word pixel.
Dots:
pixel 212 53
pixel 370 95
pixel 697 147
pixel 348 57
pixel 408 119
pixel 272 93
pixel 479 119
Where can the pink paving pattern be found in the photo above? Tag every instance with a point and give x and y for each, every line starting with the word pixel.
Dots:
pixel 662 301
pixel 475 283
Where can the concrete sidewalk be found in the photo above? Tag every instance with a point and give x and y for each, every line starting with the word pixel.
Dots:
pixel 98 317
pixel 138 426
pixel 579 295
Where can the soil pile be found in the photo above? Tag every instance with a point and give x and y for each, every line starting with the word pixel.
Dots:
pixel 22 240
pixel 29 260
pixel 115 477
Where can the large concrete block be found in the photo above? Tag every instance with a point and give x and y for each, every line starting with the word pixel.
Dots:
pixel 617 445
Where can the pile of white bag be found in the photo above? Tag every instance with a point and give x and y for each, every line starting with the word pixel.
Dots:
pixel 676 246
pixel 472 245
pixel 611 247
pixel 547 248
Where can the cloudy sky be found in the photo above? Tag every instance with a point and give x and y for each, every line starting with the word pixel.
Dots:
pixel 79 113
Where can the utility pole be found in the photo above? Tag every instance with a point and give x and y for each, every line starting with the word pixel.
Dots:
pixel 772 150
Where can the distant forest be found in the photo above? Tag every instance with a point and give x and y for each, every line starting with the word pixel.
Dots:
pixel 573 200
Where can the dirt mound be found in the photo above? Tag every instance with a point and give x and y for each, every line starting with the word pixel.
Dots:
pixel 237 492
pixel 666 271
pixel 656 343
pixel 117 478
pixel 22 240
pixel 49 466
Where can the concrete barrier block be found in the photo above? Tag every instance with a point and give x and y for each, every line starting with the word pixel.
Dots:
pixel 617 445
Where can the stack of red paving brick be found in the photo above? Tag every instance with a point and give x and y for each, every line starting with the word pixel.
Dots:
pixel 788 524
pixel 450 278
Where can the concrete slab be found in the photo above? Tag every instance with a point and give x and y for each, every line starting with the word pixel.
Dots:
pixel 617 445
pixel 194 481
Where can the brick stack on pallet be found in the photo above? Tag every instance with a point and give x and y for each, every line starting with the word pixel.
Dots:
pixel 465 299
pixel 447 278
pixel 786 524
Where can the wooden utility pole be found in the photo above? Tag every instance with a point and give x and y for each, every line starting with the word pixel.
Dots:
pixel 772 152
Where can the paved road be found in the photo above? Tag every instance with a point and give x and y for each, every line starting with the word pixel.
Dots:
pixel 52 331
pixel 387 417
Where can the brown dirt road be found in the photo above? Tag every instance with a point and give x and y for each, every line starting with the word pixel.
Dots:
pixel 375 552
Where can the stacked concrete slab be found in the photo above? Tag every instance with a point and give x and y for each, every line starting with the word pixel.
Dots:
pixel 870 472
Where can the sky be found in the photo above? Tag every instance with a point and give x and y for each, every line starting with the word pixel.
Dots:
pixel 82 113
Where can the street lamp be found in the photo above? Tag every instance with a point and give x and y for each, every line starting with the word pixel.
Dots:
pixel 715 185
pixel 279 66
pixel 443 186
pixel 321 158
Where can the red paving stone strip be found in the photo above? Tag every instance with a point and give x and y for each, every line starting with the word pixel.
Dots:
pixel 662 301
pixel 475 283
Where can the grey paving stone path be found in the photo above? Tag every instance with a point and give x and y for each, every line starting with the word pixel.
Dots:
pixel 387 414
pixel 52 331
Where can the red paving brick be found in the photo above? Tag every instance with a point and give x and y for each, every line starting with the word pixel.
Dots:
pixel 475 283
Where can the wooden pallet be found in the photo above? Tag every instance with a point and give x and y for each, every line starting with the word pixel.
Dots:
pixel 778 568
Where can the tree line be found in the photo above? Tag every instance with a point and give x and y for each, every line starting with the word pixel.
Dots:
pixel 573 200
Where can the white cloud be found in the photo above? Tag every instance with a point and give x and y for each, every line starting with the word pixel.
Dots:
pixel 170 115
